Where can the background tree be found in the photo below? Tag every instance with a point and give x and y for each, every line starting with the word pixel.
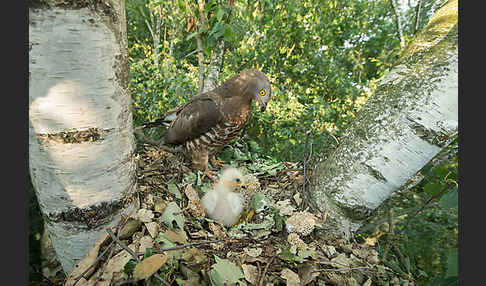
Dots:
pixel 411 116
pixel 81 143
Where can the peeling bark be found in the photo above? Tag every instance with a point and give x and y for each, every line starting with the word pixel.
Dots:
pixel 412 115
pixel 81 143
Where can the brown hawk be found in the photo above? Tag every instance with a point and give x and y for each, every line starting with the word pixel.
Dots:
pixel 207 122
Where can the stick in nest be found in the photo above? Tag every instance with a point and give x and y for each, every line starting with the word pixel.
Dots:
pixel 121 223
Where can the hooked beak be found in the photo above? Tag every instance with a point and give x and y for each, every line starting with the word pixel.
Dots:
pixel 264 106
pixel 241 185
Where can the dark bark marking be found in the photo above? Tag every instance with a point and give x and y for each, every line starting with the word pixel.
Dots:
pixel 90 135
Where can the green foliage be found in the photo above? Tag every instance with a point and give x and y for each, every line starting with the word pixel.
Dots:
pixel 154 95
pixel 225 272
pixel 322 66
pixel 427 247
pixel 128 268
pixel 323 59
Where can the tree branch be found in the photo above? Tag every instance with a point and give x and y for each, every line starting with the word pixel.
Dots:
pixel 399 23
pixel 417 16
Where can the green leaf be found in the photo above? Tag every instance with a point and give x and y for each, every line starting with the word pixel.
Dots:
pixel 165 242
pixel 441 281
pixel 227 154
pixel 285 254
pixel 172 213
pixel 148 253
pixel 191 35
pixel 129 267
pixel 217 30
pixel 393 265
pixel 254 147
pixel 450 199
pixel 441 172
pixel 407 263
pixel 433 188
pixel 172 188
pixel 228 33
pixel 220 13
pixel 190 177
pixel 240 156
pixel 225 272
pixel 452 263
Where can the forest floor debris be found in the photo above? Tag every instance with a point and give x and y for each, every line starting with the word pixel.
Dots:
pixel 170 242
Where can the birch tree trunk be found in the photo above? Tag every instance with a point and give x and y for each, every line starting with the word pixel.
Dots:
pixel 398 15
pixel 81 144
pixel 212 76
pixel 412 115
pixel 154 26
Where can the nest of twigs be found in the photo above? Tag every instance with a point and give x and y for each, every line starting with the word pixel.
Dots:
pixel 284 247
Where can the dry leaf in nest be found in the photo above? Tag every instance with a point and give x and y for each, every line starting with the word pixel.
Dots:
pixel 250 272
pixel 252 184
pixel 291 277
pixel 179 237
pixel 302 223
pixel 145 242
pixel 253 252
pixel 297 198
pixel 218 234
pixel 224 272
pixel 373 257
pixel 194 256
pixel 329 251
pixel 199 234
pixel 306 273
pixel 149 201
pixel 194 205
pixel 296 242
pixel 147 267
pixel 113 270
pixel 341 261
pixel 285 208
pixel 160 205
pixel 152 228
pixel 217 230
pixel 144 215
pixel 371 241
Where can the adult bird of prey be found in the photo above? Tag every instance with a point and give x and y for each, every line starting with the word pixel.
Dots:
pixel 207 122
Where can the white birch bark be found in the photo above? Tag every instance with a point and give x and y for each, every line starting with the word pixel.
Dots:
pixel 398 16
pixel 412 115
pixel 211 80
pixel 81 144
pixel 154 26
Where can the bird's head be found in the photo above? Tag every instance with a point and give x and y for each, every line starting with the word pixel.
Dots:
pixel 232 179
pixel 259 87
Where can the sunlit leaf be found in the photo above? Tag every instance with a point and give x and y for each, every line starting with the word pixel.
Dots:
pixel 450 199
pixel 225 272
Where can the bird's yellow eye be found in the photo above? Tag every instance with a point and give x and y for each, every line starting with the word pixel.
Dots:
pixel 262 92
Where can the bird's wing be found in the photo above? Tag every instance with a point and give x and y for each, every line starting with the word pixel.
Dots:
pixel 195 118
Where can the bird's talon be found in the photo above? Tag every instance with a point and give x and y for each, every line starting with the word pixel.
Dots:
pixel 217 163
pixel 210 174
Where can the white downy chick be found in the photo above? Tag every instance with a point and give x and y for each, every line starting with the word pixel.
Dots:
pixel 221 203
